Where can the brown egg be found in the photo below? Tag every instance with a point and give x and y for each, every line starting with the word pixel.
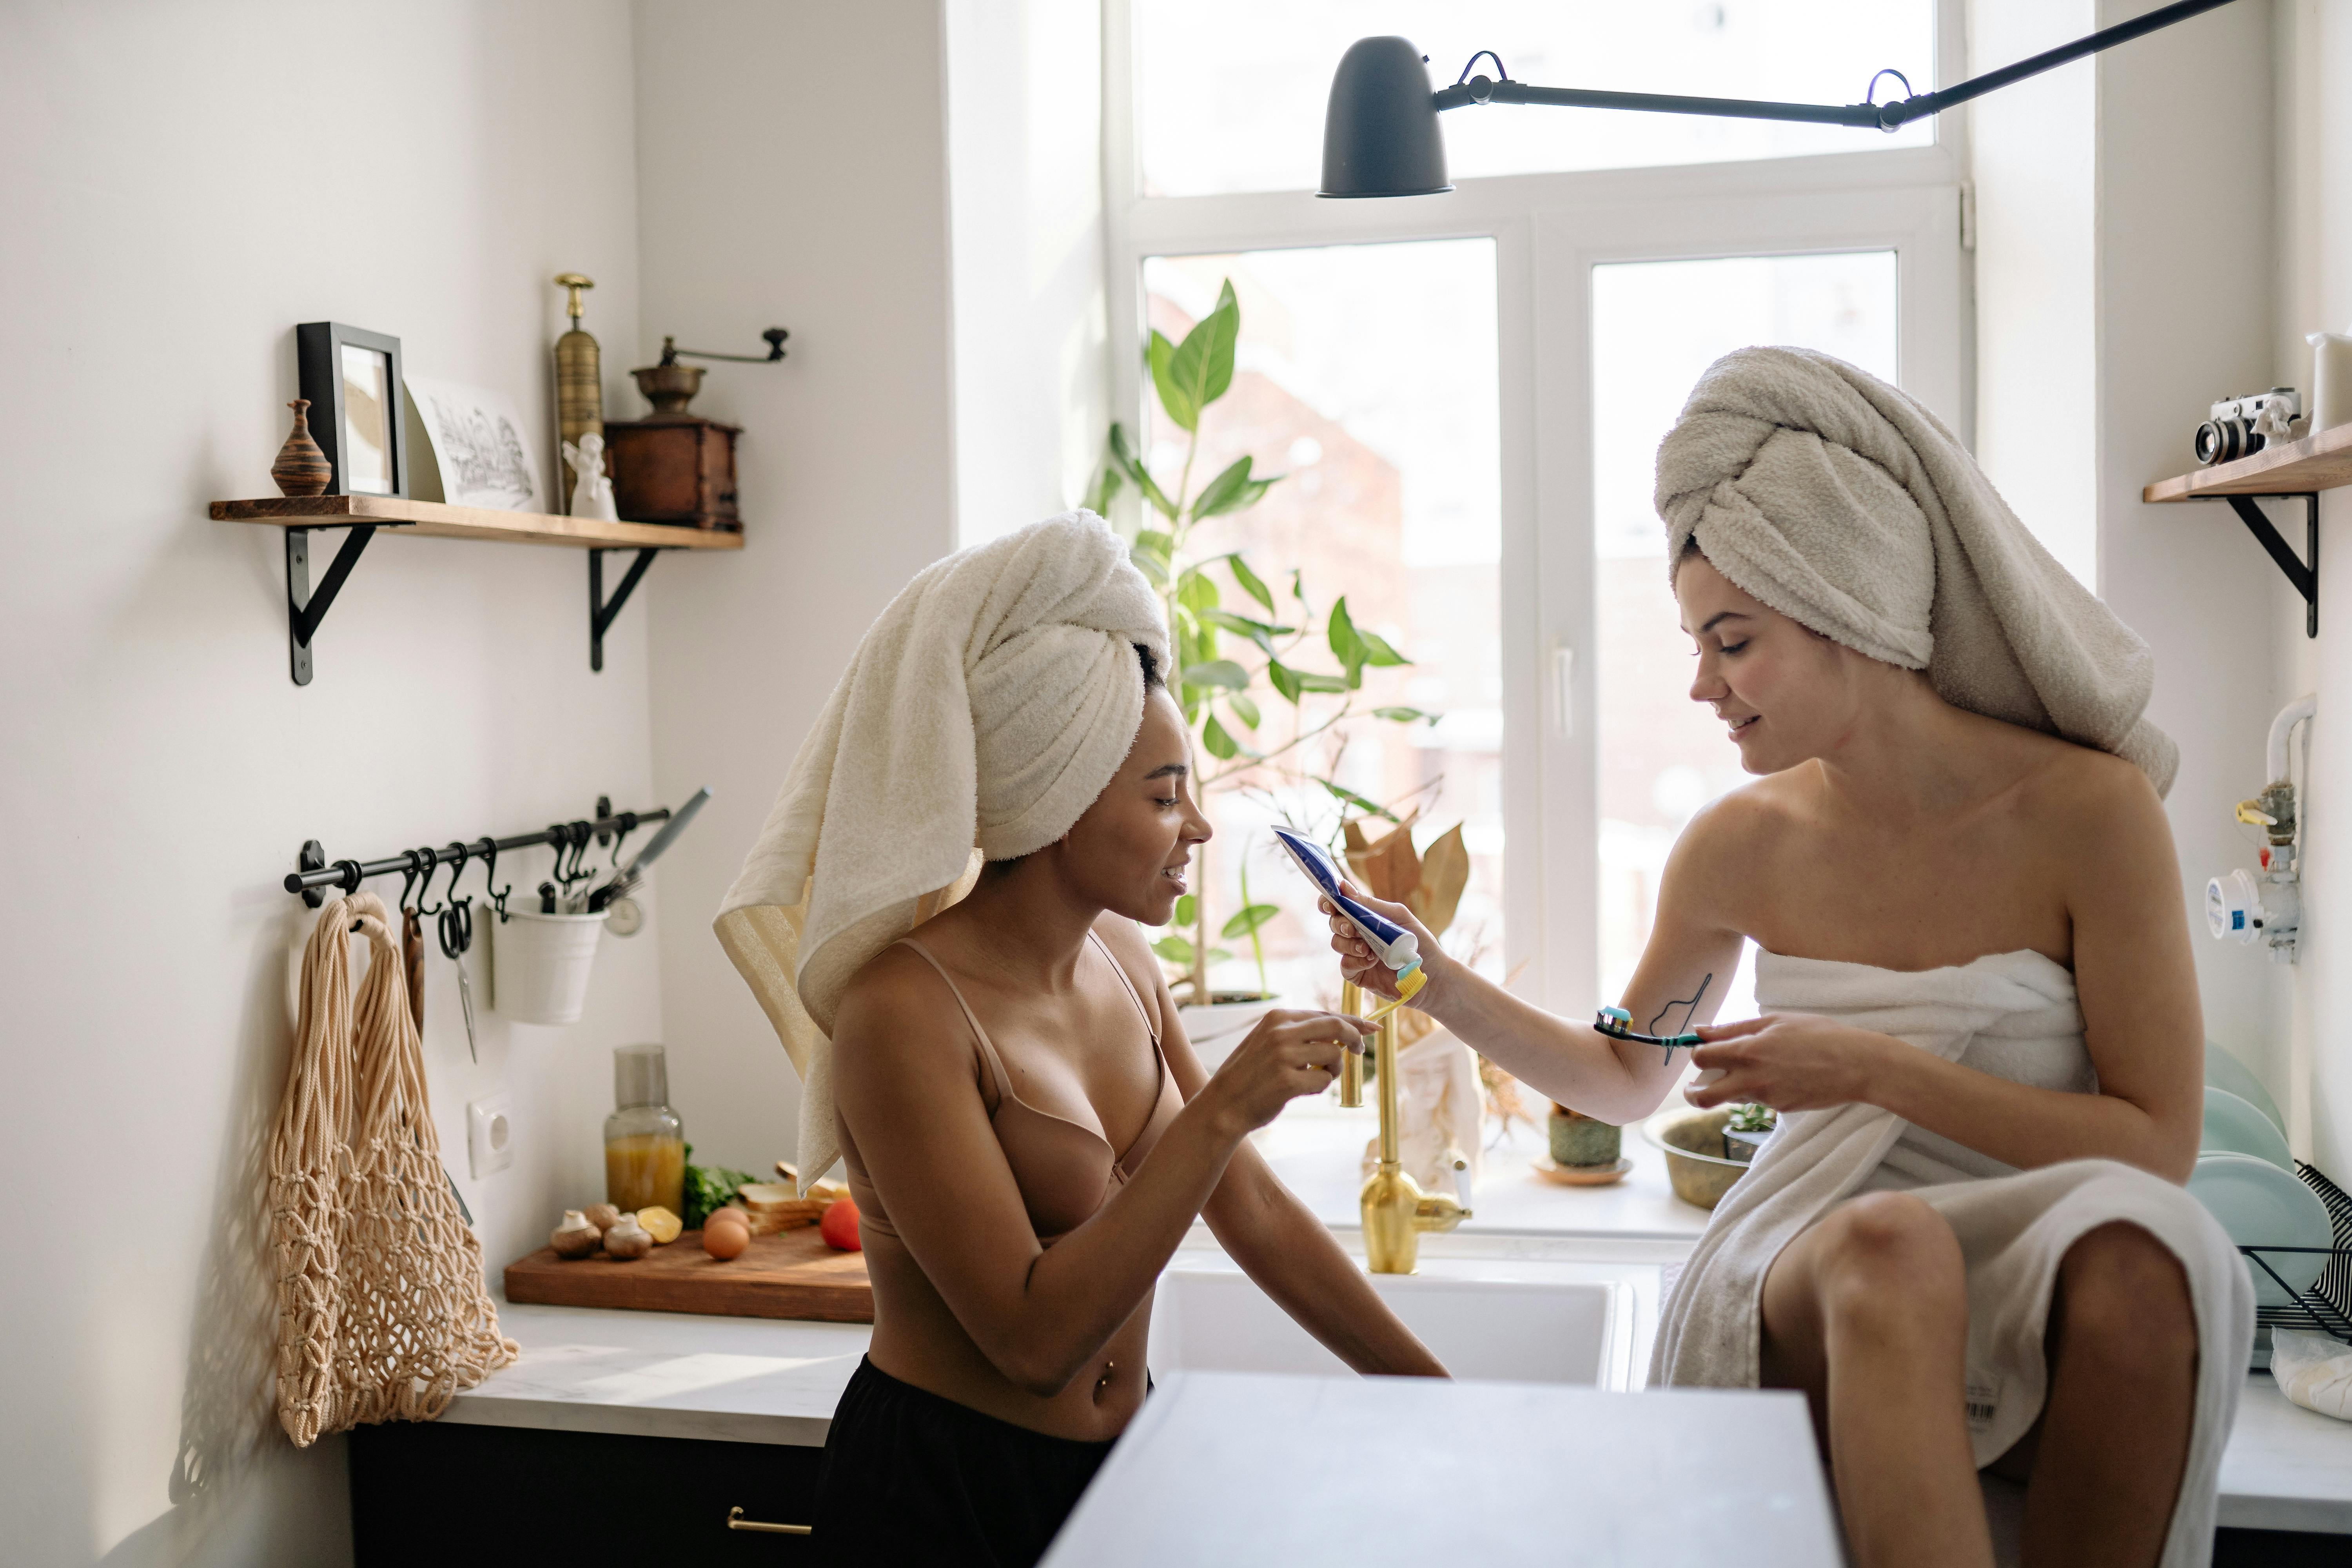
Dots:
pixel 728 1215
pixel 724 1241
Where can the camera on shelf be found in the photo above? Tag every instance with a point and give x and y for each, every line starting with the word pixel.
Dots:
pixel 2241 427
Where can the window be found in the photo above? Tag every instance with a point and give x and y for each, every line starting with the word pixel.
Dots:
pixel 1505 358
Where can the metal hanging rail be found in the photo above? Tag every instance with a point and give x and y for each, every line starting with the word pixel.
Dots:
pixel 316 872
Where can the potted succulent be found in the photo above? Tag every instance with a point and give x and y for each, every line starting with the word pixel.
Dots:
pixel 1745 1130
pixel 1266 676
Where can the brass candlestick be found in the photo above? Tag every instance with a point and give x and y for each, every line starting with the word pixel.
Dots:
pixel 579 382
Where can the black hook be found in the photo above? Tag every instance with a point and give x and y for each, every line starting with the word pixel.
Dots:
pixel 491 876
pixel 432 863
pixel 351 878
pixel 627 823
pixel 408 878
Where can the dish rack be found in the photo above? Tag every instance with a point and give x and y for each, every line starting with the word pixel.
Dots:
pixel 2326 1307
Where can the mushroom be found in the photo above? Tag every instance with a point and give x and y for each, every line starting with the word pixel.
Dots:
pixel 575 1237
pixel 603 1217
pixel 628 1239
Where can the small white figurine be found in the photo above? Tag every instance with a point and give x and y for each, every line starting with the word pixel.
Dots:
pixel 592 491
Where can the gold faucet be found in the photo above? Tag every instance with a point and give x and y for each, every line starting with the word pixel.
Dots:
pixel 1395 1210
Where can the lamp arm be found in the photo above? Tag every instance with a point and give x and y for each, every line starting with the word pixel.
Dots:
pixel 1882 116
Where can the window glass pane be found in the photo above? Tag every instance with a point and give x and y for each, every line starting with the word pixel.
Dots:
pixel 1657 326
pixel 1366 376
pixel 1230 93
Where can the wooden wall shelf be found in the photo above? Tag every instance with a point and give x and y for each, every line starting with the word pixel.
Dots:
pixel 2296 471
pixel 306 608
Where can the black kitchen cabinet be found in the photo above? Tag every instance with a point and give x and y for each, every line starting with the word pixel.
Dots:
pixel 442 1495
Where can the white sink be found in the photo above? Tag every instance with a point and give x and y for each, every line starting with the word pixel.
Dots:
pixel 1208 1316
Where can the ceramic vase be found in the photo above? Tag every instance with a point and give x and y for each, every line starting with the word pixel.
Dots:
pixel 1579 1140
pixel 301 468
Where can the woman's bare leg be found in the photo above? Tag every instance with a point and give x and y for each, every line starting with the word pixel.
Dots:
pixel 2115 1430
pixel 1867 1314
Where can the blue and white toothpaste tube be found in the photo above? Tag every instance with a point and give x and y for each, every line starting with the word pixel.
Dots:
pixel 1391 942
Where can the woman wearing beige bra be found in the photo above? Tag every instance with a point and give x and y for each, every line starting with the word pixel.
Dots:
pixel 1027 1133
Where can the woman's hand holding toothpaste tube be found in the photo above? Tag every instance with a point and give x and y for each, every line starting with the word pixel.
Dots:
pixel 1360 966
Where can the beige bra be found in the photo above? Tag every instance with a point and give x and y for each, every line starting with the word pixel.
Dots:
pixel 1064 1171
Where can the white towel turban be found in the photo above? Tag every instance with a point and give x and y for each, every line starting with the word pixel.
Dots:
pixel 986 710
pixel 1841 502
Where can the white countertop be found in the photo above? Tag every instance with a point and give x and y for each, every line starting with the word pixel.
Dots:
pixel 757 1380
pixel 1310 1470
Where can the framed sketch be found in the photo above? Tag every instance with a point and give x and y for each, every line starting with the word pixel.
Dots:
pixel 473 446
pixel 353 380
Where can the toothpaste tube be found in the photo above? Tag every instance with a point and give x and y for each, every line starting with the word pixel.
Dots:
pixel 1391 942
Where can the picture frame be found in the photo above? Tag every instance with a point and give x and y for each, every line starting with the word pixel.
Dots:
pixel 352 378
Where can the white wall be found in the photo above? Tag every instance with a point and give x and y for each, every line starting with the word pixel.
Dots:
pixel 2184 216
pixel 791 168
pixel 183 182
pixel 2314 59
pixel 1025 160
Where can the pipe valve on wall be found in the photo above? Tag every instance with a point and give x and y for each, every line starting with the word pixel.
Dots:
pixel 2266 905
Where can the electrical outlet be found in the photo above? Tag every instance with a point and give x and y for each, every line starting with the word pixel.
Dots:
pixel 489 1136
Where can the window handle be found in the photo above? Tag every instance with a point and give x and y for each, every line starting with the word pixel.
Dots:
pixel 1563 689
pixel 735 1520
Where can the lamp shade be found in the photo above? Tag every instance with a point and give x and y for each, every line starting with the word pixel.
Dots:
pixel 1380 134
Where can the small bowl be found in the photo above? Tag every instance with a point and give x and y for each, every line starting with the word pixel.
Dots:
pixel 1576 1140
pixel 1691 1140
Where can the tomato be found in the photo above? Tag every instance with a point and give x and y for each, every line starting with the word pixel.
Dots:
pixel 839 1226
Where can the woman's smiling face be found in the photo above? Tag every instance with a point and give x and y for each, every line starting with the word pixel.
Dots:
pixel 1786 693
pixel 1130 851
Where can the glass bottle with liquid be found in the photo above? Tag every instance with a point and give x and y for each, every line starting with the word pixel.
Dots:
pixel 645 1142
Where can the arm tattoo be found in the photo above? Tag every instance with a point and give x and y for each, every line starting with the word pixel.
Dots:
pixel 1692 1004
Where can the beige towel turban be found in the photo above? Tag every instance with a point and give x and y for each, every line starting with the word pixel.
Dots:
pixel 985 711
pixel 1842 503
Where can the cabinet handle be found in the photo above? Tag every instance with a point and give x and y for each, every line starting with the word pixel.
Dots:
pixel 735 1520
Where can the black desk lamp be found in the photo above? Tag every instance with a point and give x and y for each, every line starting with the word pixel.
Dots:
pixel 1380 136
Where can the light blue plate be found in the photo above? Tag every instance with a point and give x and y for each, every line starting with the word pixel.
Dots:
pixel 2261 1205
pixel 2224 1070
pixel 2234 1127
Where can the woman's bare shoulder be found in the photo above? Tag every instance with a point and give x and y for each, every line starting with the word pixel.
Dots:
pixel 2080 792
pixel 896 1007
pixel 1130 951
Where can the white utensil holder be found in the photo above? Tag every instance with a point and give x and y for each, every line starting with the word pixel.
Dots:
pixel 539 964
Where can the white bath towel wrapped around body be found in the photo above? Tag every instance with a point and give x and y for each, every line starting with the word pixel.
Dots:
pixel 2013 1016
pixel 982 712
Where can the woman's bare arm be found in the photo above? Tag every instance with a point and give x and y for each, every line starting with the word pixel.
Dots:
pixel 1279 1244
pixel 905 1081
pixel 2134 976
pixel 1679 984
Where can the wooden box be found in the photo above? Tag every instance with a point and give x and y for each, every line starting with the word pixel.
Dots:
pixel 674 468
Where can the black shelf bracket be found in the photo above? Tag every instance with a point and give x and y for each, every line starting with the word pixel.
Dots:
pixel 307 607
pixel 2303 575
pixel 601 610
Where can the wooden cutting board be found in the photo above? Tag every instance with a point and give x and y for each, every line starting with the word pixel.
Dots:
pixel 790 1274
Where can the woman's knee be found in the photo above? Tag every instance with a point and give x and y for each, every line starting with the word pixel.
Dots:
pixel 2123 1296
pixel 1888 1253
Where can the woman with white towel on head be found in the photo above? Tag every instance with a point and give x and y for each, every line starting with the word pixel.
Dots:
pixel 940 918
pixel 1966 1242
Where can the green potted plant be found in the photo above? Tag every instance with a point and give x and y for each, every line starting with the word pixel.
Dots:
pixel 1237 638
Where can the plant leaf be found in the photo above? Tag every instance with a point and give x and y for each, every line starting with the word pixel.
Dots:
pixel 1201 368
pixel 1182 405
pixel 1350 797
pixel 1310 681
pixel 1376 650
pixel 1258 632
pixel 1231 491
pixel 1251 584
pixel 1187 911
pixel 1220 744
pixel 1173 949
pixel 1217 672
pixel 1297 581
pixel 1154 570
pixel 1285 679
pixel 1249 920
pixel 1137 474
pixel 1195 591
pixel 1106 490
pixel 1242 708
pixel 1346 645
pixel 1401 715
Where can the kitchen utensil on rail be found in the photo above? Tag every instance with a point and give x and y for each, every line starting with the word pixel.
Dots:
pixel 613 898
pixel 456 934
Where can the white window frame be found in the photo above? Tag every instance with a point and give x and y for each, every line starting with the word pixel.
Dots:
pixel 1549 231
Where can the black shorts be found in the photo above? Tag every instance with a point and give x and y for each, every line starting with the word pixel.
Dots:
pixel 909 1477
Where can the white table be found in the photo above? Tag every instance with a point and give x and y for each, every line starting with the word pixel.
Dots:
pixel 1236 1469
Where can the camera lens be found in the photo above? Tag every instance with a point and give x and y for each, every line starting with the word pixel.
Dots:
pixel 2209 443
pixel 2224 440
